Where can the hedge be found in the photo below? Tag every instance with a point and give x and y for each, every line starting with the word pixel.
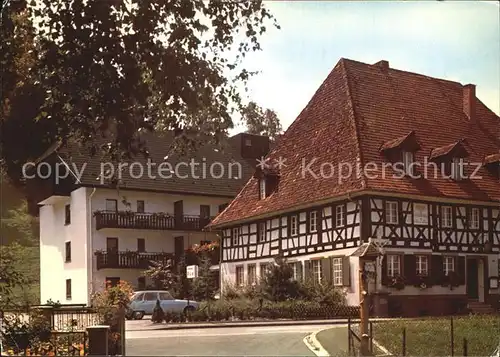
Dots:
pixel 241 309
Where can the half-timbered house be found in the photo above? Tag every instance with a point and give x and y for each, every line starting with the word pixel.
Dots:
pixel 410 160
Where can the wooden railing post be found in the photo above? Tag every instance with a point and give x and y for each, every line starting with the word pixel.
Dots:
pixel 452 337
pixel 465 346
pixel 403 352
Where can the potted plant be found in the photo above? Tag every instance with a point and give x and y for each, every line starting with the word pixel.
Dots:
pixel 397 282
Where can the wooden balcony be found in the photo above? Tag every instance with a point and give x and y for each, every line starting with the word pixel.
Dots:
pixel 156 221
pixel 129 260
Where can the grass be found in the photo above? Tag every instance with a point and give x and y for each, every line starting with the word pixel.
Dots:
pixel 432 336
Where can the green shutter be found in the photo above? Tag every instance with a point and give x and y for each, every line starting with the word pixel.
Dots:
pixel 307 270
pixel 410 269
pixel 461 270
pixel 326 271
pixel 436 271
pixel 346 271
pixel 384 278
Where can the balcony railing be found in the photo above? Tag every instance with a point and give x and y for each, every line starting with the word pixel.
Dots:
pixel 157 221
pixel 130 260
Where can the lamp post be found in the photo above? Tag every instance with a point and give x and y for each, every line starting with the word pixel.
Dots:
pixel 367 269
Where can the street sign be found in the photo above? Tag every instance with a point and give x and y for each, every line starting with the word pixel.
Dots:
pixel 192 271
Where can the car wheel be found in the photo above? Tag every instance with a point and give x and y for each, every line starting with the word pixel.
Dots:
pixel 138 315
pixel 188 309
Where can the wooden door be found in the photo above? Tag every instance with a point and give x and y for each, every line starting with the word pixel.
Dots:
pixel 112 250
pixel 204 215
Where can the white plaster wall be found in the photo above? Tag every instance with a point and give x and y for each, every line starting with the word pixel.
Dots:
pixel 53 236
pixel 228 270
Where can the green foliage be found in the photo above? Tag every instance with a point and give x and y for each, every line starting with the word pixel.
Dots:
pixel 321 293
pixel 181 286
pixel 204 286
pixel 122 67
pixel 12 277
pixel 162 274
pixel 278 284
pixel 19 220
pixel 158 313
pixel 261 122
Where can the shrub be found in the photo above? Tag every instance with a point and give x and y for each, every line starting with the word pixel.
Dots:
pixel 321 293
pixel 205 285
pixel 158 313
pixel 278 284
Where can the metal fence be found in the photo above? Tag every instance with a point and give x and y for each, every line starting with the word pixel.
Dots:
pixel 354 338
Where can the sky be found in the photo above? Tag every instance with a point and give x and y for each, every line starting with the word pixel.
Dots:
pixel 458 41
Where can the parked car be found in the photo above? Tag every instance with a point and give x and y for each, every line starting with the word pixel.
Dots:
pixel 143 303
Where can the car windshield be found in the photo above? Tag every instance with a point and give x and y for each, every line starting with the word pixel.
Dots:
pixel 137 296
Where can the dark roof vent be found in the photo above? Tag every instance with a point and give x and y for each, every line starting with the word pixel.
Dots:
pixel 469 100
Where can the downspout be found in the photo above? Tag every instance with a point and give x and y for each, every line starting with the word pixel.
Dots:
pixel 90 244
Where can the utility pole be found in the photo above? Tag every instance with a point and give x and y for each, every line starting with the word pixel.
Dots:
pixel 364 310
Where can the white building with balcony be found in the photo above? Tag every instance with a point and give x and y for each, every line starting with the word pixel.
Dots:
pixel 94 230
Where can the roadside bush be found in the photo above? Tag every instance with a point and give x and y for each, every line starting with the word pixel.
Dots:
pixel 278 284
pixel 321 293
pixel 158 314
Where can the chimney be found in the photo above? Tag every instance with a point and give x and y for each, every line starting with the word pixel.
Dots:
pixel 469 100
pixel 383 65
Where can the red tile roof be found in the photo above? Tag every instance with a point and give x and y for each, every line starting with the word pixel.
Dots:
pixel 395 143
pixel 357 109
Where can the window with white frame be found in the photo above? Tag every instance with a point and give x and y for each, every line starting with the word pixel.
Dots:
pixel 313 221
pixel 337 271
pixel 457 168
pixel 293 225
pixel 420 213
pixel 111 205
pixel 240 278
pixel 422 265
pixel 252 274
pixel 391 212
pixel 317 270
pixel 264 269
pixel 236 236
pixel 262 232
pixel 446 216
pixel 474 218
pixel 339 215
pixel 448 265
pixel 262 188
pixel 393 265
pixel 408 158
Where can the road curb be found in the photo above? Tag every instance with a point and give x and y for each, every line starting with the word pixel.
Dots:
pixel 313 344
pixel 243 324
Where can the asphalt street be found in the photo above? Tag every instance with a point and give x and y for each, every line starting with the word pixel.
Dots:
pixel 222 341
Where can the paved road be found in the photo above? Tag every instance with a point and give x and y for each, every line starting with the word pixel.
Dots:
pixel 232 341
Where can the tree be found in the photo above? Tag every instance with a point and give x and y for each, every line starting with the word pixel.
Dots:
pixel 25 225
pixel 120 67
pixel 181 286
pixel 205 285
pixel 278 283
pixel 162 274
pixel 261 122
pixel 12 277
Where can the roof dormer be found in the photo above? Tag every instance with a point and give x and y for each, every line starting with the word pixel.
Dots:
pixel 492 164
pixel 401 151
pixel 451 157
pixel 268 182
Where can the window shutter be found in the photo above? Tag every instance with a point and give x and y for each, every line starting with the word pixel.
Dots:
pixel 307 270
pixel 410 269
pixel 461 270
pixel 300 271
pixel 436 271
pixel 326 270
pixel 346 271
pixel 385 278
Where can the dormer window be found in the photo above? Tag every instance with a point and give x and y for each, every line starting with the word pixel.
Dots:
pixel 262 188
pixel 401 151
pixel 492 164
pixel 408 159
pixel 268 183
pixel 457 169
